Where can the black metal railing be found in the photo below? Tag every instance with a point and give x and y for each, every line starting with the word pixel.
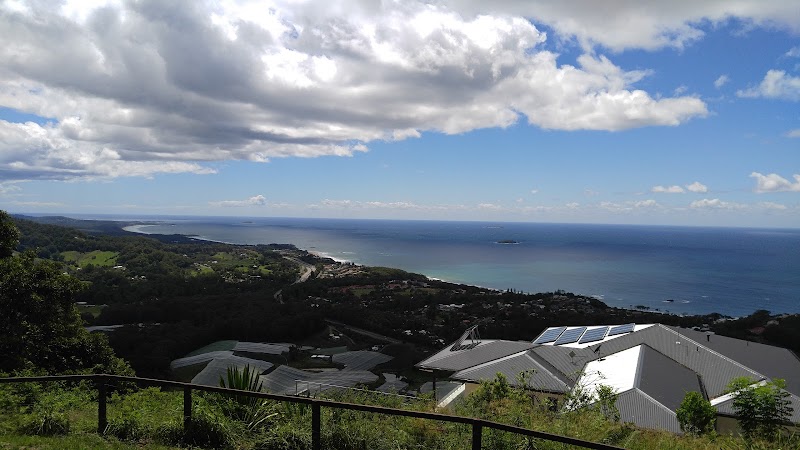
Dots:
pixel 478 425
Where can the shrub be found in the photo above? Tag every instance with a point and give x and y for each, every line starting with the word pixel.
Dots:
pixel 45 423
pixel 762 409
pixel 696 415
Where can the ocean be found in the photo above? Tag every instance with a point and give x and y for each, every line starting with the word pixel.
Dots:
pixel 692 270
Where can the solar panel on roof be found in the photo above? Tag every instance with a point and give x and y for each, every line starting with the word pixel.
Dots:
pixel 595 334
pixel 570 336
pixel 549 335
pixel 620 329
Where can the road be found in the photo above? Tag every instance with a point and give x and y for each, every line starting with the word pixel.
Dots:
pixel 364 332
pixel 306 269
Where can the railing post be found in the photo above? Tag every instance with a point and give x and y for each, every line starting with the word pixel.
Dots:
pixel 102 420
pixel 316 437
pixel 187 408
pixel 477 431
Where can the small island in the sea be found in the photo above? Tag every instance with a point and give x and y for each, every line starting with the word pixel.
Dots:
pixel 507 241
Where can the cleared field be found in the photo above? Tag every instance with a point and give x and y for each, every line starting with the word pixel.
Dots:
pixel 94 310
pixel 97 258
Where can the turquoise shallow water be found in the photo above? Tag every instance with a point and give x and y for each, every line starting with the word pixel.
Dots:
pixel 733 271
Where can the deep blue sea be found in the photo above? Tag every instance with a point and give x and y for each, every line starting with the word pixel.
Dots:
pixel 733 271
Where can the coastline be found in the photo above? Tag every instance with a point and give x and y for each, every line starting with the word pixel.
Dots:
pixel 138 228
pixel 623 269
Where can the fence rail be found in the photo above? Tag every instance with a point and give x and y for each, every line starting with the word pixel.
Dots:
pixel 102 381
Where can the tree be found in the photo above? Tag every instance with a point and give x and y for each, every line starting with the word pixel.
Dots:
pixel 762 408
pixel 696 415
pixel 607 402
pixel 40 328
pixel 9 235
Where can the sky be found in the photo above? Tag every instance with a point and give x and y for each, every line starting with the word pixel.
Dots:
pixel 635 112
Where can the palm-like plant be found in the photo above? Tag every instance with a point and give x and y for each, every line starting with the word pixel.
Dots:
pixel 253 411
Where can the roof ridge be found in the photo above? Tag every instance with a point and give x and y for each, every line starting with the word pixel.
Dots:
pixel 528 354
pixel 730 360
pixel 656 402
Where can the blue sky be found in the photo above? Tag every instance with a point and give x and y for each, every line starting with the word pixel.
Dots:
pixel 521 111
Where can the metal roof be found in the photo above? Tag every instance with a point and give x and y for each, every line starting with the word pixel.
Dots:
pixel 774 362
pixel 485 351
pixel 202 358
pixel 664 379
pixel 567 360
pixel 360 360
pixel 258 347
pixel 218 367
pixel 715 369
pixel 639 408
pixel 541 377
pixel 393 384
pixel 288 380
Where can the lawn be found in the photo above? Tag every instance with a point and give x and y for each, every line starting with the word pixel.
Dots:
pixel 97 258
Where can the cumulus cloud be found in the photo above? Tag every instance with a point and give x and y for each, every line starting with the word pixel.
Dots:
pixel 715 203
pixel 258 200
pixel 138 88
pixel 626 24
pixel 697 187
pixel 776 84
pixel 793 52
pixel 721 81
pixel 775 183
pixel 793 133
pixel 667 189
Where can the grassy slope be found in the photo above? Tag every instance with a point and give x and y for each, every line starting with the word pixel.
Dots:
pixel 152 419
pixel 97 258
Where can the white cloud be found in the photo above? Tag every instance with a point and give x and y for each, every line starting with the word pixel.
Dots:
pixel 37 204
pixel 258 200
pixel 793 52
pixel 793 133
pixel 680 90
pixel 721 81
pixel 646 204
pixel 8 189
pixel 775 183
pixel 697 187
pixel 776 84
pixel 715 203
pixel 629 205
pixel 534 191
pixel 651 25
pixel 667 189
pixel 490 206
pixel 590 193
pixel 772 205
pixel 134 94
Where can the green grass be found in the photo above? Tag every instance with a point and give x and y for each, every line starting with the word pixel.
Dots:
pixel 200 269
pixel 74 441
pixel 150 418
pixel 97 258
pixel 94 310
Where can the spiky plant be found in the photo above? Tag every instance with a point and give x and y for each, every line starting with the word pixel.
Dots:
pixel 253 411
